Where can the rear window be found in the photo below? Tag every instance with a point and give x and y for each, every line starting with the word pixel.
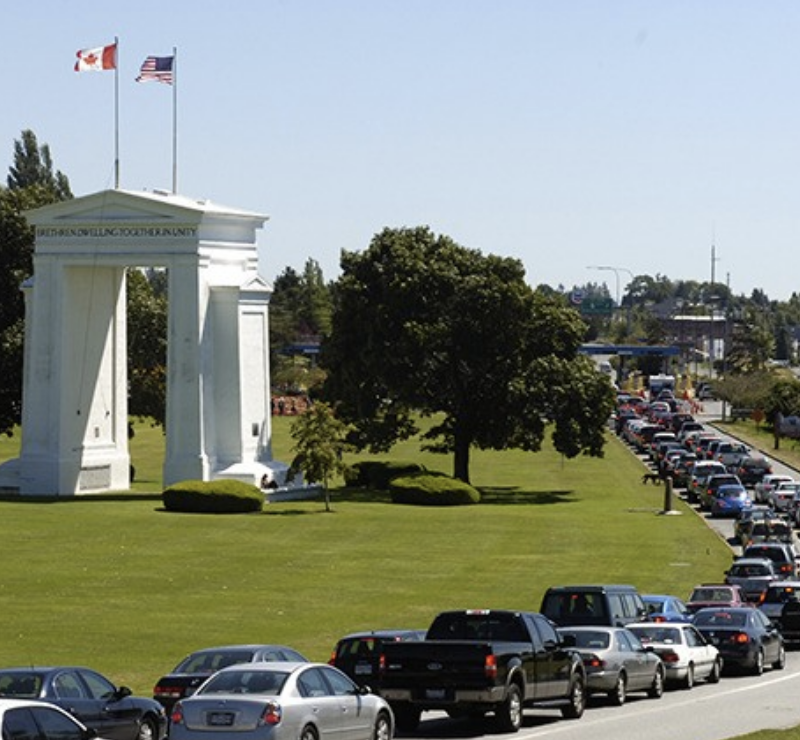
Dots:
pixel 665 635
pixel 574 606
pixel 359 647
pixel 477 626
pixel 211 662
pixel 588 639
pixel 711 594
pixel 781 594
pixel 720 619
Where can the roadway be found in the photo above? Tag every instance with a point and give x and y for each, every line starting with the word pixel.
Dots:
pixel 737 705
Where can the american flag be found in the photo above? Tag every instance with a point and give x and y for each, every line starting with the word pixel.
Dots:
pixel 158 69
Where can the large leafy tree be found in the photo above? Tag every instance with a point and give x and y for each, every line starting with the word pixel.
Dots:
pixel 31 184
pixel 424 326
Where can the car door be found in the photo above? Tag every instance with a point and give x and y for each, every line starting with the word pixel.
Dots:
pixel 356 721
pixel 119 717
pixel 321 703
pixel 71 693
pixel 634 658
pixel 771 637
pixel 702 654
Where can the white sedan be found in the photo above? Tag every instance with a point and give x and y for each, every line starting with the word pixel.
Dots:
pixel 686 654
pixel 281 701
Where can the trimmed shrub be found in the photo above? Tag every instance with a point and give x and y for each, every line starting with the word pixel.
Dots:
pixel 213 497
pixel 378 475
pixel 432 489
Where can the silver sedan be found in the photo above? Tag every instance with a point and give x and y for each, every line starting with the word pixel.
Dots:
pixel 281 701
pixel 616 662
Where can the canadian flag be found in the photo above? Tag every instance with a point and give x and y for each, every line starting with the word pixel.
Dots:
pixel 96 60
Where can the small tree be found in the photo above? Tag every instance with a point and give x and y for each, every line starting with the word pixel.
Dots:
pixel 319 443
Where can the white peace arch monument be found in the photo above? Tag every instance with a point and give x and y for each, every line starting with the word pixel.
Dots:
pixel 75 408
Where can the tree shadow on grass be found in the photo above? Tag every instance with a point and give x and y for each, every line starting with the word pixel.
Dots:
pixel 511 495
pixel 490 495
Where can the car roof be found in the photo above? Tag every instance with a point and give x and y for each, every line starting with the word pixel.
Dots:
pixel 594 587
pixel 287 666
pixel 752 561
pixel 382 633
pixel 248 646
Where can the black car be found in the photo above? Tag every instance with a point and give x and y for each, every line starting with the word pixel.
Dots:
pixel 109 710
pixel 744 636
pixel 359 654
pixel 195 668
pixel 752 469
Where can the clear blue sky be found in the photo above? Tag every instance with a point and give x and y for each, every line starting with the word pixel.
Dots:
pixel 626 133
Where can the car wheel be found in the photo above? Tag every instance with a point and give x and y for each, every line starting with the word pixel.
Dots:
pixel 406 717
pixel 383 728
pixel 657 687
pixel 758 663
pixel 147 729
pixel 780 663
pixel 509 713
pixel 688 680
pixel 577 699
pixel 716 672
pixel 308 733
pixel 620 691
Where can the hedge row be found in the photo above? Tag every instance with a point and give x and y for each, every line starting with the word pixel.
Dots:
pixel 432 489
pixel 213 497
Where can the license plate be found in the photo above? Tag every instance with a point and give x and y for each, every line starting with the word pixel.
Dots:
pixel 435 694
pixel 363 669
pixel 220 719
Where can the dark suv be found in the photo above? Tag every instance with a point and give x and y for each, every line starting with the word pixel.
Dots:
pixel 359 654
pixel 612 605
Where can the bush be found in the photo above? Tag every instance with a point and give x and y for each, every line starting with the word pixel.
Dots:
pixel 430 489
pixel 378 475
pixel 213 497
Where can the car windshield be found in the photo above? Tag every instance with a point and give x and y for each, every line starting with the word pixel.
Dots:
pixel 212 661
pixel 665 635
pixel 596 639
pixel 20 685
pixel 720 619
pixel 245 682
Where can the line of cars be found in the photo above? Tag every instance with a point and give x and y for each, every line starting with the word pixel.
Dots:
pixel 251 692
pixel 755 609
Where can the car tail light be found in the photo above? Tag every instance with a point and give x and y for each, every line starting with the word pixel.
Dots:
pixel 167 692
pixel 382 665
pixel 670 656
pixel 741 638
pixel 593 662
pixel 176 716
pixel 490 666
pixel 272 714
pixel 332 659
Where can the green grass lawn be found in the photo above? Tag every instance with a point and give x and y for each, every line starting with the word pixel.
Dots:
pixel 120 585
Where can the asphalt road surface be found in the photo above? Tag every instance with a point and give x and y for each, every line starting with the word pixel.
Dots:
pixel 735 706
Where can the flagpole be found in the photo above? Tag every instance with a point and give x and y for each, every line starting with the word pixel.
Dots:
pixel 174 120
pixel 116 113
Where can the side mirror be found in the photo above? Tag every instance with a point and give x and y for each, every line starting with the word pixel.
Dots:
pixel 122 693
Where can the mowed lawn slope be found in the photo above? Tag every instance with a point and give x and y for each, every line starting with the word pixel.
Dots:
pixel 120 585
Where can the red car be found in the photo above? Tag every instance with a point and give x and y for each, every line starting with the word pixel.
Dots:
pixel 715 595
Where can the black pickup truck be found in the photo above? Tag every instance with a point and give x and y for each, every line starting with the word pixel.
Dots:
pixel 478 661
